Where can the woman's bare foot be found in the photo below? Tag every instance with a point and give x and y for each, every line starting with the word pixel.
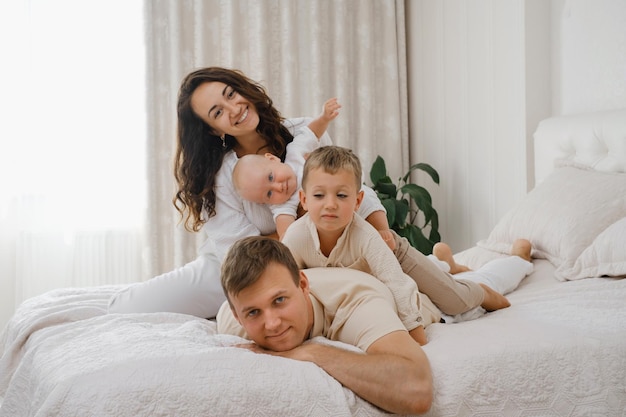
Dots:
pixel 493 300
pixel 443 252
pixel 522 248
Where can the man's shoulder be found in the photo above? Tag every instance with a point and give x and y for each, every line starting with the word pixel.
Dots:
pixel 344 280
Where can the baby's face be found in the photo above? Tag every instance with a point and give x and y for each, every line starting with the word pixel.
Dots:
pixel 267 181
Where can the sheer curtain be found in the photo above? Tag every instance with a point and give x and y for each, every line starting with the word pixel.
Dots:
pixel 72 146
pixel 86 177
pixel 303 52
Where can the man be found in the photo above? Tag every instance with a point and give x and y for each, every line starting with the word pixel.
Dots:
pixel 273 304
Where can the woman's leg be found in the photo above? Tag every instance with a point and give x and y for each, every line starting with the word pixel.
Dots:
pixel 505 274
pixel 193 289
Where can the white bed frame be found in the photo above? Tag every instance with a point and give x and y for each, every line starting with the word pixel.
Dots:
pixel 597 140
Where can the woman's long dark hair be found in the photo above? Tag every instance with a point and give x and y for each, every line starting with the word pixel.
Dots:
pixel 200 152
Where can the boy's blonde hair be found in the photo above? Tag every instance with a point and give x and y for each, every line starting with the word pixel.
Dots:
pixel 331 159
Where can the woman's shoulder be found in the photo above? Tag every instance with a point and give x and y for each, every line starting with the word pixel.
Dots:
pixel 228 165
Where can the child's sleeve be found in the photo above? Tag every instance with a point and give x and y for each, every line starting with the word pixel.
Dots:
pixel 386 267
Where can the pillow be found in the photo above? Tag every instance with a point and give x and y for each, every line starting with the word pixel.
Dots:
pixel 563 215
pixel 605 257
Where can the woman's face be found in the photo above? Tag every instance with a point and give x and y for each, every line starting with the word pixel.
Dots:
pixel 224 109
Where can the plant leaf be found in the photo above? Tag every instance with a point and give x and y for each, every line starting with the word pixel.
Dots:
pixel 420 195
pixel 378 171
pixel 434 175
pixel 402 209
pixel 390 206
pixel 387 189
pixel 417 239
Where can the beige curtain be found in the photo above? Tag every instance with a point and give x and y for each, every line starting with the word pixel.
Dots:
pixel 303 52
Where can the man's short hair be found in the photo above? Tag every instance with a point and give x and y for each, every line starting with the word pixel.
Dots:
pixel 248 258
pixel 331 159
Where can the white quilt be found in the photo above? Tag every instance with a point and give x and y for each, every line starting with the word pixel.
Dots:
pixel 559 350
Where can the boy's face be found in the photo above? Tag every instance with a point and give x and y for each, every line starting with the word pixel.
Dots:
pixel 274 311
pixel 331 199
pixel 267 182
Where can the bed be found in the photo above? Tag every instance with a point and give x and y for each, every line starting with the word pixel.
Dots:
pixel 559 350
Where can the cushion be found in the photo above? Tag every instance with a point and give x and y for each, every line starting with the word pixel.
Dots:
pixel 606 256
pixel 563 216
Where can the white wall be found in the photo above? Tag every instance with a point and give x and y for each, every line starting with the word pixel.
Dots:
pixel 589 50
pixel 482 74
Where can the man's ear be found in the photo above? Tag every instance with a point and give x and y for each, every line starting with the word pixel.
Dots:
pixel 302 196
pixel 304 283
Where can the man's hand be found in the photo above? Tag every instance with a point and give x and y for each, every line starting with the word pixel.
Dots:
pixel 393 374
pixel 298 353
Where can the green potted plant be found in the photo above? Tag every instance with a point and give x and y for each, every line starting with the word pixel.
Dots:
pixel 402 216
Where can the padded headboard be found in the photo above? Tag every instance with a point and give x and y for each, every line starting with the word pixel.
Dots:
pixel 596 140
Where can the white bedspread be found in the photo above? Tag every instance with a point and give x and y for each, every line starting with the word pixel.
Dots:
pixel 559 350
pixel 64 356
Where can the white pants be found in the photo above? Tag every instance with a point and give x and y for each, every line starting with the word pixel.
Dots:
pixel 502 275
pixel 193 289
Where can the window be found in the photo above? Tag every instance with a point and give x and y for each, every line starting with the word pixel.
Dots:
pixel 72 144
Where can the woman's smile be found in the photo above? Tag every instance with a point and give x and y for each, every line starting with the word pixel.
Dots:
pixel 243 117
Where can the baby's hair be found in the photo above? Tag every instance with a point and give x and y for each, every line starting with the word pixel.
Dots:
pixel 331 159
pixel 242 163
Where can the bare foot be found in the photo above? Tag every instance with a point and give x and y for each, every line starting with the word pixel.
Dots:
pixel 522 248
pixel 493 300
pixel 443 252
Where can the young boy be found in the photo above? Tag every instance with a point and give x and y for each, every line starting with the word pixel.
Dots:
pixel 330 234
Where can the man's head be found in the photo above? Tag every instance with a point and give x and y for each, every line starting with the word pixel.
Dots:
pixel 267 293
pixel 264 179
pixel 331 187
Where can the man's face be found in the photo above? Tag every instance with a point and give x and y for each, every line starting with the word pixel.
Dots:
pixel 275 312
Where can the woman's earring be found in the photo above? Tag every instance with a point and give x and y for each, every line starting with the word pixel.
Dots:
pixel 223 137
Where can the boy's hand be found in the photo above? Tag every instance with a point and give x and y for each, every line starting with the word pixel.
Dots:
pixel 330 109
pixel 388 238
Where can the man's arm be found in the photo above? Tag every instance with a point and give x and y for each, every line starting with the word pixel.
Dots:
pixel 394 374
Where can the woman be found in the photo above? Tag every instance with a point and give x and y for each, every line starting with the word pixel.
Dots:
pixel 222 115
